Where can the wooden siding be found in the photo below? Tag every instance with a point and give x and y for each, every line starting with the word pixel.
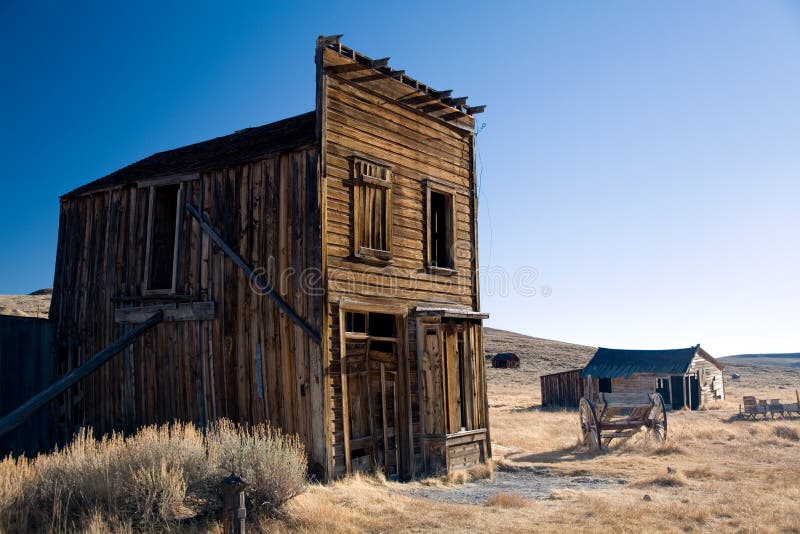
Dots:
pixel 25 358
pixel 639 382
pixel 562 389
pixel 711 380
pixel 365 119
pixel 250 363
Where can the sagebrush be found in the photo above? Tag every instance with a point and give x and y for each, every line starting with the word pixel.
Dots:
pixel 152 480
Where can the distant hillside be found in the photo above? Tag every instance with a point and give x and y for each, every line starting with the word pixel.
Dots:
pixel 784 359
pixel 540 356
pixel 37 304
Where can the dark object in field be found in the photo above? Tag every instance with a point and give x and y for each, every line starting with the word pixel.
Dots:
pixel 506 360
pixel 735 376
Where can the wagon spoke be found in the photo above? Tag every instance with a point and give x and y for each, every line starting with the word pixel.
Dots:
pixel 590 429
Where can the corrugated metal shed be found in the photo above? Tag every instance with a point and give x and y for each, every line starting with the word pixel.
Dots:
pixel 616 363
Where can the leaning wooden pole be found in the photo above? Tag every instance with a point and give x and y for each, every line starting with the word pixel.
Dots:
pixel 18 416
pixel 262 284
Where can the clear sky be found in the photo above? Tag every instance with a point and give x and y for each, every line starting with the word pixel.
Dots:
pixel 642 157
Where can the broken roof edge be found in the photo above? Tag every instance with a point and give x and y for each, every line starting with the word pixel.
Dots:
pixel 453 313
pixel 333 43
pixel 262 141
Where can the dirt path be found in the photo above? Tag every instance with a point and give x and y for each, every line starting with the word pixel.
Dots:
pixel 533 483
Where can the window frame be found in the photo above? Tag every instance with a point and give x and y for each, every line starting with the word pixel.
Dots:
pixel 362 181
pixel 176 242
pixel 450 192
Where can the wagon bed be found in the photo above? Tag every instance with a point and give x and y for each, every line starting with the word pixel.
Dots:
pixel 621 415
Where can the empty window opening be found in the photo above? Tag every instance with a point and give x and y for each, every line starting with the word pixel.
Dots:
pixel 163 237
pixel 381 325
pixel 355 322
pixel 440 229
pixel 605 385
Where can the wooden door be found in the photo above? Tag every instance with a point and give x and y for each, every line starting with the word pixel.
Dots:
pixel 372 405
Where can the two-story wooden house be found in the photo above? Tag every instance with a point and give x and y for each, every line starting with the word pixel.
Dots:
pixel 318 273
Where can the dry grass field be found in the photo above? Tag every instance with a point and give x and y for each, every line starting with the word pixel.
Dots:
pixel 715 473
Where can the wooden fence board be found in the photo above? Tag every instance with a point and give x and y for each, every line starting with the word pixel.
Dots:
pixel 25 369
pixel 563 389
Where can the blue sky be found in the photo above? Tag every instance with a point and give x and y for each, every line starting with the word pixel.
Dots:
pixel 642 157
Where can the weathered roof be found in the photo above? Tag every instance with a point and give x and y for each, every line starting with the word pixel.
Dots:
pixel 616 363
pixel 244 145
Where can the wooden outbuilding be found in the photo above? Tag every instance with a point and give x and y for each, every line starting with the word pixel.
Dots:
pixel 688 377
pixel 318 273
pixel 562 390
pixel 505 360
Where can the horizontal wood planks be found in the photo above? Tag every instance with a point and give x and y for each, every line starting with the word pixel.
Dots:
pixel 365 118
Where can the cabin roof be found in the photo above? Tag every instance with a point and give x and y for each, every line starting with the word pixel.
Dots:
pixel 618 363
pixel 244 145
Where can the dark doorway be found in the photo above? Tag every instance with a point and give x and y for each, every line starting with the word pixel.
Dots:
pixel 677 392
pixel 694 387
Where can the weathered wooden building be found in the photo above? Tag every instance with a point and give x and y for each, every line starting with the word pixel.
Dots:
pixel 562 390
pixel 687 377
pixel 318 273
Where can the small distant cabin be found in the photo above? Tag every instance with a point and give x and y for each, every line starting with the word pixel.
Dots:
pixel 685 378
pixel 505 360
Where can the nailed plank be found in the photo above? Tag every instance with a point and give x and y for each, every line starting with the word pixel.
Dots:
pixel 182 311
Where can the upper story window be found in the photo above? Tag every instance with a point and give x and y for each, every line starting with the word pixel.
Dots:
pixel 440 223
pixel 162 238
pixel 372 210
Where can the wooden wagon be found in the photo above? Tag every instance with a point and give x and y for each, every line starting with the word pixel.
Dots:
pixel 753 408
pixel 621 415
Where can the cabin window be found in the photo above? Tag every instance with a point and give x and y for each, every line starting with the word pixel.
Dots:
pixel 605 385
pixel 355 323
pixel 372 210
pixel 440 227
pixel 162 243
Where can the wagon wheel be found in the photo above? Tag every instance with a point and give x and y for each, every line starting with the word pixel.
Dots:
pixel 590 428
pixel 657 419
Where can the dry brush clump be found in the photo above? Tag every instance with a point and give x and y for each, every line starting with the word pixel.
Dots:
pixel 159 477
pixel 507 500
pixel 787 433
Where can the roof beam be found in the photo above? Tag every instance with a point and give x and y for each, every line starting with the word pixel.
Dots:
pixel 459 101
